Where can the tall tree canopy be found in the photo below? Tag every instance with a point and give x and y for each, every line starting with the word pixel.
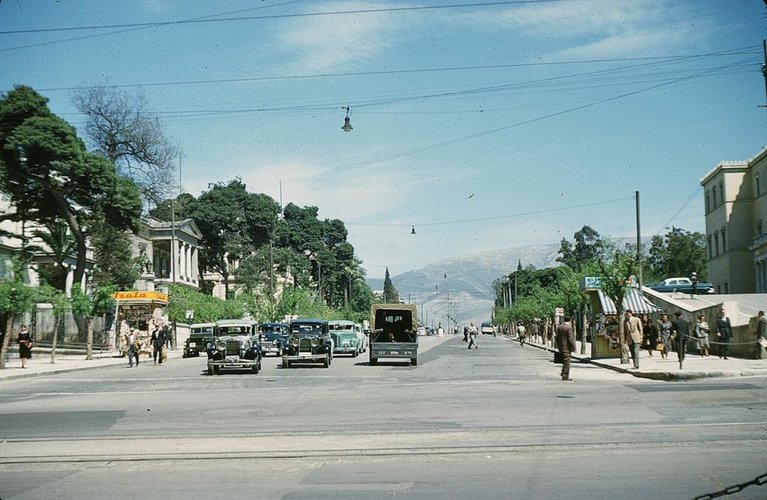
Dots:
pixel 589 246
pixel 678 253
pixel 48 174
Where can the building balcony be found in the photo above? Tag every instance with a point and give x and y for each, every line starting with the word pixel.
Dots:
pixel 758 242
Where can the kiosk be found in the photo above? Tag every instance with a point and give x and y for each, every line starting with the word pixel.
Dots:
pixel 142 311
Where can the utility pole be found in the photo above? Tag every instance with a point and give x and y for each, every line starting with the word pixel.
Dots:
pixel 639 244
pixel 764 70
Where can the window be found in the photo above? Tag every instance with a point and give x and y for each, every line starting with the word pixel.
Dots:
pixel 724 240
pixel 721 192
pixel 758 229
pixel 710 252
pixel 716 243
pixel 708 206
pixel 758 187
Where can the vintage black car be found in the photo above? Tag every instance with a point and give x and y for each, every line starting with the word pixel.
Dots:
pixel 273 337
pixel 309 342
pixel 234 345
pixel 199 336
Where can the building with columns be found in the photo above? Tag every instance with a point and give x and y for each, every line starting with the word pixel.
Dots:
pixel 736 225
pixel 168 253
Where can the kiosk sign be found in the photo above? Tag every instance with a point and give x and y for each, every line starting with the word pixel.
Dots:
pixel 140 295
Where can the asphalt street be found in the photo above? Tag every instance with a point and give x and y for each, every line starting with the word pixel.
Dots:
pixel 495 422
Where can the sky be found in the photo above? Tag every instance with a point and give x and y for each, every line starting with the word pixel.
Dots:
pixel 478 125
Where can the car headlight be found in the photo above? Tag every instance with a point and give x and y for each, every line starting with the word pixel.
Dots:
pixel 294 341
pixel 315 342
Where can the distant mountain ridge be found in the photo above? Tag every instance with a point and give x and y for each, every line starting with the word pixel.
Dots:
pixel 462 287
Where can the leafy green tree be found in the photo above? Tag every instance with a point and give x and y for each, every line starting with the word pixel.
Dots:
pixel 89 305
pixel 48 175
pixel 59 246
pixel 678 253
pixel 390 294
pixel 615 279
pixel 46 294
pixel 114 263
pixel 15 300
pixel 589 246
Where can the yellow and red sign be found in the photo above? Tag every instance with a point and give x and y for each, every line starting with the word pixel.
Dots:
pixel 142 296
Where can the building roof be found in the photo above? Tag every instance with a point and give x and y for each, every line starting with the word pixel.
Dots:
pixel 633 300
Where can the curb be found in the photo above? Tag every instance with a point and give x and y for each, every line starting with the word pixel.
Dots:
pixel 657 375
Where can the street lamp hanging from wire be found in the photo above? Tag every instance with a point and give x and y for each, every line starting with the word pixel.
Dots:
pixel 347 121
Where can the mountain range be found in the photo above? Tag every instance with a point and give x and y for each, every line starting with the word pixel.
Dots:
pixel 462 287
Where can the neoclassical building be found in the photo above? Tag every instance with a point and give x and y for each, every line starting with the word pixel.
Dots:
pixel 736 225
pixel 168 252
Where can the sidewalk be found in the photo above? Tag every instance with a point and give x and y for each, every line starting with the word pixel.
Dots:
pixel 657 368
pixel 40 364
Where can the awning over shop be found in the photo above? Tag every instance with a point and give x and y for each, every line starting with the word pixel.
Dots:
pixel 633 300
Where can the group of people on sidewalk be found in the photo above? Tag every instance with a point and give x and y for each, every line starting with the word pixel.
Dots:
pixel 157 341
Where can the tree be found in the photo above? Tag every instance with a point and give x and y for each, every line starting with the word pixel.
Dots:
pixel 48 175
pixel 59 245
pixel 120 128
pixel 15 300
pixel 233 223
pixel 678 253
pixel 615 278
pixel 89 305
pixel 589 246
pixel 390 294
pixel 114 263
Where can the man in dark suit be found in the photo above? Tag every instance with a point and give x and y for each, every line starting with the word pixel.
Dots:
pixel 565 338
pixel 723 333
pixel 681 329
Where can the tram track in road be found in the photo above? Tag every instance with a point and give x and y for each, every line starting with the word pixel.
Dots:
pixel 486 451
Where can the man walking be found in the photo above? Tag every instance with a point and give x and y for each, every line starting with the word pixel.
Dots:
pixel 158 342
pixel 632 335
pixel 473 336
pixel 723 333
pixel 133 348
pixel 681 330
pixel 565 338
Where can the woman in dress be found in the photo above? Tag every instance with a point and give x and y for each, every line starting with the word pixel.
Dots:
pixel 649 334
pixel 25 345
pixel 701 333
pixel 665 334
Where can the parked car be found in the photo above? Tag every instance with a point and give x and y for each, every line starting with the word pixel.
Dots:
pixel 234 345
pixel 273 337
pixel 309 342
pixel 682 285
pixel 486 328
pixel 199 336
pixel 346 327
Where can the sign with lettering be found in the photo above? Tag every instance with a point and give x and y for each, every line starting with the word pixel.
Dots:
pixel 139 295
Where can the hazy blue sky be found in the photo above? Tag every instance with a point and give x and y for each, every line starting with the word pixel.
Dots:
pixel 481 126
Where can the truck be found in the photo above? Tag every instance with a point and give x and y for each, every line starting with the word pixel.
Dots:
pixel 393 332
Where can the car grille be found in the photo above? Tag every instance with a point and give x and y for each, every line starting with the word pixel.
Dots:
pixel 305 345
pixel 232 347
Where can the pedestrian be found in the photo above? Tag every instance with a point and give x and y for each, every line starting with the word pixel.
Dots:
pixel 665 327
pixel 158 342
pixel 473 336
pixel 131 340
pixel 649 334
pixel 632 335
pixel 723 333
pixel 761 334
pixel 168 336
pixel 465 333
pixel 565 338
pixel 521 334
pixel 680 333
pixel 701 335
pixel 25 345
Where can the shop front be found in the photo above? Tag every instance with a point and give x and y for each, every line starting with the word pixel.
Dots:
pixel 143 311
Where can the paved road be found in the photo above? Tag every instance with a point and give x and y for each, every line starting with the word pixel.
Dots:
pixel 495 422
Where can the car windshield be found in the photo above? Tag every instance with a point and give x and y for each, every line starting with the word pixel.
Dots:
pixel 306 329
pixel 271 328
pixel 234 330
pixel 273 336
pixel 202 330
